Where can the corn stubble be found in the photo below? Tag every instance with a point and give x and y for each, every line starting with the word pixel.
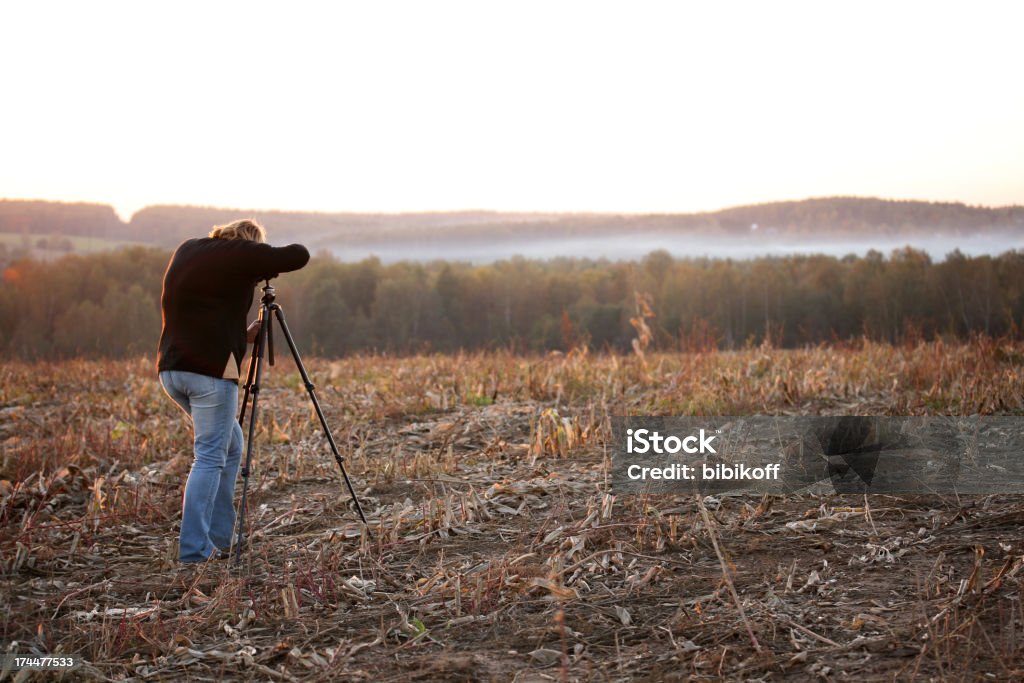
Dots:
pixel 494 549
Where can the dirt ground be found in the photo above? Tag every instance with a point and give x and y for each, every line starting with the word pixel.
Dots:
pixel 493 552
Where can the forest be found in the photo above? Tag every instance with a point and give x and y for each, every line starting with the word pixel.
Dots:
pixel 106 305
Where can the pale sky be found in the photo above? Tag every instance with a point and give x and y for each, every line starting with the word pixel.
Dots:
pixel 553 106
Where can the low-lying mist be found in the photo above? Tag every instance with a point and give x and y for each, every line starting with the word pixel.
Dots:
pixel 634 247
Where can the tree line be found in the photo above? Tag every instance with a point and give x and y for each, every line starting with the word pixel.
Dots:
pixel 107 304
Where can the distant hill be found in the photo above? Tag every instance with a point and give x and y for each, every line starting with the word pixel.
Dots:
pixel 31 217
pixel 839 217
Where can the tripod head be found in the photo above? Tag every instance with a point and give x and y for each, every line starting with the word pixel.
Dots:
pixel 269 294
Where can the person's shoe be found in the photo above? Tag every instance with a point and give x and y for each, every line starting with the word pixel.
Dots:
pixel 223 554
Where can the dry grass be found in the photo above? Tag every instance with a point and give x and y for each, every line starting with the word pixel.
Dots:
pixel 494 551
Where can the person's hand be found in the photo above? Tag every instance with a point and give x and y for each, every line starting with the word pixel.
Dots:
pixel 252 332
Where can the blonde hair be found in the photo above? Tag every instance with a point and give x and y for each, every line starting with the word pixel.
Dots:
pixel 245 229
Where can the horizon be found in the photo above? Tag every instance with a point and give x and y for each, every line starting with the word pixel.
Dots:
pixel 572 108
pixel 252 209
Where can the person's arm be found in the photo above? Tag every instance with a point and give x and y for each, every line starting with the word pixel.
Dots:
pixel 264 261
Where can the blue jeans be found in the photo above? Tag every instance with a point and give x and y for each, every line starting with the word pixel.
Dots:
pixel 208 510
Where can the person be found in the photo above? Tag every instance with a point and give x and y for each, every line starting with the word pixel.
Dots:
pixel 208 289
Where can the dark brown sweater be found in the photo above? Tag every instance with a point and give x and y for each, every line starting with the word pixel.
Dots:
pixel 207 293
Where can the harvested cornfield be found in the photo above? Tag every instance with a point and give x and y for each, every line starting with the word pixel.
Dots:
pixel 494 550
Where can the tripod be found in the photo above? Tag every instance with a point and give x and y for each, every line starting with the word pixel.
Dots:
pixel 265 342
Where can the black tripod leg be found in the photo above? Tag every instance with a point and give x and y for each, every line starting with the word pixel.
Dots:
pixel 316 405
pixel 256 373
pixel 249 376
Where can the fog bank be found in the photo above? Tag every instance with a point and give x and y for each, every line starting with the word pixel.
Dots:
pixel 635 247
